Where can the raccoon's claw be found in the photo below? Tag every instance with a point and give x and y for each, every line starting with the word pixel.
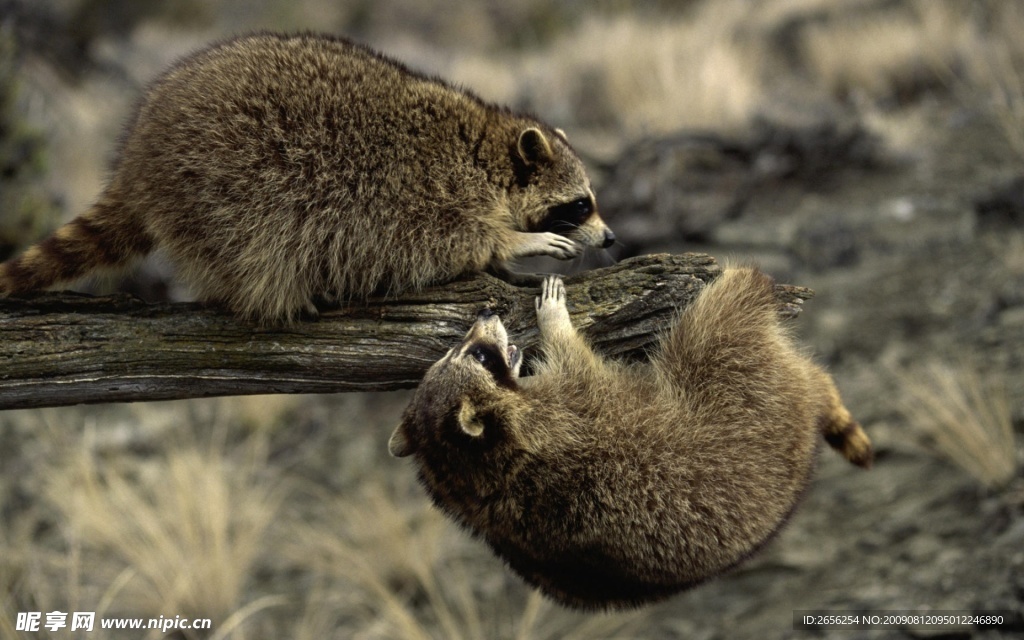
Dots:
pixel 552 312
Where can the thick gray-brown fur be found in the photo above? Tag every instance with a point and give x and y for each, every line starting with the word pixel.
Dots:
pixel 274 170
pixel 610 485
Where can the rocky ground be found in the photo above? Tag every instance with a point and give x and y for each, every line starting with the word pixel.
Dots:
pixel 905 217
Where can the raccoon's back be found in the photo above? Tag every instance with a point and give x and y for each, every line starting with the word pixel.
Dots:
pixel 299 101
pixel 274 169
pixel 312 124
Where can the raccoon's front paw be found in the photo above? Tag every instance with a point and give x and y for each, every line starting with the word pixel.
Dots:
pixel 552 313
pixel 561 247
pixel 546 244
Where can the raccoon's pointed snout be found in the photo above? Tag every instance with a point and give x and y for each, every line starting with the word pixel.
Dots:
pixel 609 239
pixel 488 327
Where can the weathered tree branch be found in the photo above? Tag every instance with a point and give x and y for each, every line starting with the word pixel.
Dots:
pixel 60 348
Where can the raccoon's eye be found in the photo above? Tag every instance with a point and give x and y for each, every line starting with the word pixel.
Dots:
pixel 581 207
pixel 490 359
pixel 577 210
pixel 568 216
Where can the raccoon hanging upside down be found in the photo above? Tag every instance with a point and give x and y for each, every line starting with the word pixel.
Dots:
pixel 609 485
pixel 275 170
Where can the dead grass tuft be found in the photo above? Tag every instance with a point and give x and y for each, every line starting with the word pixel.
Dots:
pixel 632 75
pixel 998 69
pixel 184 530
pixel 966 416
pixel 884 53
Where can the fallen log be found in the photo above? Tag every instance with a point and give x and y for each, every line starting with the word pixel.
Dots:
pixel 65 348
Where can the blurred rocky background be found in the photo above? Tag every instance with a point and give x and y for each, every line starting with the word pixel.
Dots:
pixel 870 149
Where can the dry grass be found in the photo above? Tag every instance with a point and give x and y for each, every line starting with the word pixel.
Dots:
pixel 998 69
pixel 966 417
pixel 185 529
pixel 631 76
pixel 111 529
pixel 878 55
pixel 1008 98
pixel 407 574
pixel 649 77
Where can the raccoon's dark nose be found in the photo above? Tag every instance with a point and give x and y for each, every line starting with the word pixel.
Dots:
pixel 609 238
pixel 485 313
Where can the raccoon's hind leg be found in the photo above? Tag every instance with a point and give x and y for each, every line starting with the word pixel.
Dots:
pixel 105 236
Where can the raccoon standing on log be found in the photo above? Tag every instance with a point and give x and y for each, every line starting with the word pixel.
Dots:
pixel 276 170
pixel 609 485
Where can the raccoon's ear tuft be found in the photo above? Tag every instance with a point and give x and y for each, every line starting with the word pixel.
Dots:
pixel 399 445
pixel 470 419
pixel 533 147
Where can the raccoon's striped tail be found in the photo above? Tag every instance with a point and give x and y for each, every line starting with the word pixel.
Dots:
pixel 102 237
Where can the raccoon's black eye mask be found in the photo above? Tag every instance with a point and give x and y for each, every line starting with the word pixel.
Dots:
pixel 490 357
pixel 567 216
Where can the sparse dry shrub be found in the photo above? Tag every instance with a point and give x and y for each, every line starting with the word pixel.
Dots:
pixel 997 67
pixel 965 416
pixel 881 54
pixel 632 75
pixel 183 531
pixel 655 77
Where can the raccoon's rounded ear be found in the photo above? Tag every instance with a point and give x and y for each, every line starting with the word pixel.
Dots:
pixel 469 419
pixel 399 445
pixel 533 147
